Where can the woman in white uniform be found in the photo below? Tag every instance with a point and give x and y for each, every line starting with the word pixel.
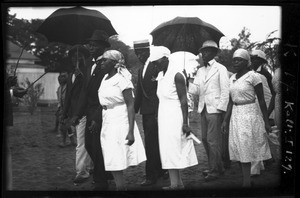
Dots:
pixel 121 142
pixel 176 150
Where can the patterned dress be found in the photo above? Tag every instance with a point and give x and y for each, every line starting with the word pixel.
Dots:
pixel 247 135
pixel 117 155
pixel 176 151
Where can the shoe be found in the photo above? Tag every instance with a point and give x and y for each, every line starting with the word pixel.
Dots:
pixel 79 180
pixel 99 187
pixel 179 187
pixel 205 172
pixel 210 177
pixel 148 182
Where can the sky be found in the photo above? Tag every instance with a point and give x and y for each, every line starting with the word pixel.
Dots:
pixel 136 22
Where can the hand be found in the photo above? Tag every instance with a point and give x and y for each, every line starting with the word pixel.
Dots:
pixel 74 120
pixel 130 138
pixel 93 127
pixel 268 128
pixel 19 92
pixel 186 129
pixel 224 127
pixel 12 81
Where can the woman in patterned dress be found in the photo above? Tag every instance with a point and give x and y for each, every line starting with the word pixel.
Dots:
pixel 247 126
pixel 121 141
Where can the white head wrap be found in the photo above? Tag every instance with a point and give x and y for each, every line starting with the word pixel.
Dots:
pixel 182 60
pixel 118 56
pixel 157 52
pixel 242 53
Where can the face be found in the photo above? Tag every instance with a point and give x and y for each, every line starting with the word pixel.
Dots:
pixel 255 62
pixel 208 54
pixel 62 78
pixel 161 64
pixel 142 54
pixel 96 48
pixel 239 64
pixel 107 65
pixel 77 59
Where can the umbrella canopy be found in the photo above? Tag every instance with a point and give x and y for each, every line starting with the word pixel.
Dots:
pixel 185 34
pixel 74 25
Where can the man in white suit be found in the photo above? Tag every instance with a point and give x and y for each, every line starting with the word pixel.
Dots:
pixel 213 88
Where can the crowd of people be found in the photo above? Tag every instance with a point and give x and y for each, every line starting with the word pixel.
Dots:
pixel 98 103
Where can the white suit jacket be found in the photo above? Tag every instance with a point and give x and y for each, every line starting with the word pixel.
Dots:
pixel 213 90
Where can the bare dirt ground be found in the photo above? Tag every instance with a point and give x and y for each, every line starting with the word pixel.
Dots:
pixel 38 164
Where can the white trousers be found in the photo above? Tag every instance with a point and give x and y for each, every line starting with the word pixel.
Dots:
pixel 83 160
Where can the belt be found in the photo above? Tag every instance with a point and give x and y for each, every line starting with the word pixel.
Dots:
pixel 104 107
pixel 244 103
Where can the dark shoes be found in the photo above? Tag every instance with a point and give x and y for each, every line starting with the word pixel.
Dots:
pixel 205 172
pixel 79 180
pixel 100 187
pixel 210 177
pixel 148 182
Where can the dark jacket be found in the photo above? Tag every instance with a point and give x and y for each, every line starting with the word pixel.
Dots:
pixel 88 103
pixel 146 100
pixel 72 95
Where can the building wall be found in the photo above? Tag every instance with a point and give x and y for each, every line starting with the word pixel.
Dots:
pixel 49 82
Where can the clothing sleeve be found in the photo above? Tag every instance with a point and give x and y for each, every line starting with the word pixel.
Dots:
pixel 224 87
pixel 124 83
pixel 255 79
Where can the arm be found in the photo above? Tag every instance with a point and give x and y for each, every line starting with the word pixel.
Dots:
pixel 129 100
pixel 262 104
pixel 271 105
pixel 225 124
pixel 182 95
pixel 138 98
pixel 224 87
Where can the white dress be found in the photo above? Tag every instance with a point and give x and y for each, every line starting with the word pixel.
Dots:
pixel 247 134
pixel 117 155
pixel 176 151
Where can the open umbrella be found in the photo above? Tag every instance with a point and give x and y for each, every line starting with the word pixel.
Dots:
pixel 185 34
pixel 74 25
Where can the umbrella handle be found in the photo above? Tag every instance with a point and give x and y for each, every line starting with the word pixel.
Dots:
pixel 19 59
pixel 36 81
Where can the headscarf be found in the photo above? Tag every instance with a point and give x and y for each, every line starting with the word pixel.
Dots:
pixel 183 60
pixel 118 56
pixel 157 52
pixel 242 53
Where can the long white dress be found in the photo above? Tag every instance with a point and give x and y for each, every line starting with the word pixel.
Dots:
pixel 247 134
pixel 176 151
pixel 117 155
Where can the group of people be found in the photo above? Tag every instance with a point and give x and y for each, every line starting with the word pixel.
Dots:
pixel 100 104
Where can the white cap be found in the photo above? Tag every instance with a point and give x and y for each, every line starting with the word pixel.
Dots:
pixel 259 53
pixel 157 52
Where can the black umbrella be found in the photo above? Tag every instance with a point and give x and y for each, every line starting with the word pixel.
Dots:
pixel 185 34
pixel 74 25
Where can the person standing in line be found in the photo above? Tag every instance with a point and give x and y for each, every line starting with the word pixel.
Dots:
pixel 247 122
pixel 257 166
pixel 213 83
pixel 146 102
pixel 10 90
pixel 177 151
pixel 78 55
pixel 258 64
pixel 61 95
pixel 89 105
pixel 121 142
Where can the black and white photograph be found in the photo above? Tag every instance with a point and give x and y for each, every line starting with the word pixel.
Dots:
pixel 149 100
